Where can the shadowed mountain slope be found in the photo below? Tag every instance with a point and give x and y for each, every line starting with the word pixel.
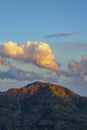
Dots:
pixel 42 106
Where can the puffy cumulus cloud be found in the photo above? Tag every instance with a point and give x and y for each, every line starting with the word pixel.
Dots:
pixel 39 53
pixel 79 68
pixel 12 49
pixel 4 62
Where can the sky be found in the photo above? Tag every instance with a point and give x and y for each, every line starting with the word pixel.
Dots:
pixel 43 40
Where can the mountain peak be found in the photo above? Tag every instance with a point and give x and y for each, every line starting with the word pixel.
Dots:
pixel 42 106
pixel 45 87
pixel 56 89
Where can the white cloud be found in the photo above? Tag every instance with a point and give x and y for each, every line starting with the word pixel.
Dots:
pixel 79 68
pixel 4 62
pixel 38 53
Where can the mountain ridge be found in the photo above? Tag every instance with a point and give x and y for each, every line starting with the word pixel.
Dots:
pixel 34 86
pixel 42 106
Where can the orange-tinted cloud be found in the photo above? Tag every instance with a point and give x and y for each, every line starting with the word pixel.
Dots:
pixel 38 53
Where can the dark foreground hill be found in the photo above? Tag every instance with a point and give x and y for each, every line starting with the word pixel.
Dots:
pixel 42 106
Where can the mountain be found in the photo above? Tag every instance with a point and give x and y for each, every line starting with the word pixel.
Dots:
pixel 42 106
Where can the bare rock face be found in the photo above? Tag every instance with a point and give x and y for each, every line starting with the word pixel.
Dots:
pixel 42 106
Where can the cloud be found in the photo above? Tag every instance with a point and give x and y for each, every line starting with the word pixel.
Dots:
pixel 79 68
pixel 20 75
pixel 1 43
pixel 60 35
pixel 77 71
pixel 38 53
pixel 14 74
pixel 74 67
pixel 4 62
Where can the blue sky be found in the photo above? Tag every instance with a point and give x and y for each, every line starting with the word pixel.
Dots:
pixel 22 20
pixel 59 23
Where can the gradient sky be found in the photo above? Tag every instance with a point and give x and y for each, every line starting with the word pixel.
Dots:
pixel 62 24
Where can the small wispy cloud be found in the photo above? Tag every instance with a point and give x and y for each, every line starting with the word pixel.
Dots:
pixel 60 35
